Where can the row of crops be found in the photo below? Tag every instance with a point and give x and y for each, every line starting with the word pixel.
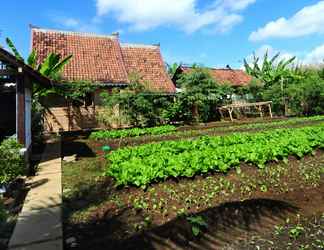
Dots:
pixel 149 163
pixel 133 132
pixel 172 130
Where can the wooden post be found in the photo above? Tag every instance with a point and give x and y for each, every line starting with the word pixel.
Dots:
pixel 260 109
pixel 230 110
pixel 20 113
pixel 270 110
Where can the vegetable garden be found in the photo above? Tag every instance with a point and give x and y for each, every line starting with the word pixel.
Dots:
pixel 187 187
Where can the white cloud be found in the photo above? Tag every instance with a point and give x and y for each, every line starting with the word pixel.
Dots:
pixel 261 51
pixel 312 57
pixel 309 20
pixel 222 15
pixel 316 56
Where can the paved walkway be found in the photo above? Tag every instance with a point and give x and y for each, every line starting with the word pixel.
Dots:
pixel 39 225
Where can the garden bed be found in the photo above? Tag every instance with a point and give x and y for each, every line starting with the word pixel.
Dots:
pixel 239 206
pixel 83 146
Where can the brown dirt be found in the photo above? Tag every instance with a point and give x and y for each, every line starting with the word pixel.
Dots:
pixel 234 214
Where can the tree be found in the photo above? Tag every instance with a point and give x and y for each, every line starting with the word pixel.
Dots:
pixel 172 69
pixel 275 78
pixel 202 93
pixel 269 71
pixel 51 67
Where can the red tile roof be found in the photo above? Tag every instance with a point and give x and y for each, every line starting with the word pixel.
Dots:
pixel 147 62
pixel 233 77
pixel 103 59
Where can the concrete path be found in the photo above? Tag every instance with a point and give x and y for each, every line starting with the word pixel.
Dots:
pixel 39 224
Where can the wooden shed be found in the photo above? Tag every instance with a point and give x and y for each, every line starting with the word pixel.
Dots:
pixel 16 84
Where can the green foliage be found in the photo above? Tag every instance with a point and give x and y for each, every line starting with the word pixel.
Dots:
pixel 172 69
pixel 296 231
pixel 134 105
pixel 197 223
pixel 51 67
pixel 293 90
pixel 14 49
pixel 133 132
pixel 11 163
pixel 153 162
pixel 77 90
pixel 201 94
pixel 171 130
pixel 270 71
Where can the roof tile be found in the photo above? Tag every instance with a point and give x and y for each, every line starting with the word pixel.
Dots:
pixel 100 58
pixel 233 77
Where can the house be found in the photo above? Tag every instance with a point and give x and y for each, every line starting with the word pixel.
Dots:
pixel 16 97
pixel 233 77
pixel 100 59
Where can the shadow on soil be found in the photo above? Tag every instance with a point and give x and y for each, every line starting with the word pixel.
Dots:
pixel 227 223
pixel 78 148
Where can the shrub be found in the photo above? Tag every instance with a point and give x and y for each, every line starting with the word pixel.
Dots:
pixel 11 163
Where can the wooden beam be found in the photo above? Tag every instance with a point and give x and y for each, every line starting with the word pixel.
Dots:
pixel 10 59
pixel 20 113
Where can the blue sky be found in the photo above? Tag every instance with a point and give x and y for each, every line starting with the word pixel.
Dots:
pixel 211 32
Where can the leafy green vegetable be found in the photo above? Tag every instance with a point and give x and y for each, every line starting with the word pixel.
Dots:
pixel 148 163
pixel 133 132
pixel 197 223
pixel 171 130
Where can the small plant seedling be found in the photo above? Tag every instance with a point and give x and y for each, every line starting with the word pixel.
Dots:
pixel 296 231
pixel 264 188
pixel 279 230
pixel 197 223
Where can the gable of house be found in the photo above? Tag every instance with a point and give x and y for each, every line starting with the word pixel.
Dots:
pixel 103 59
pixel 233 77
pixel 147 63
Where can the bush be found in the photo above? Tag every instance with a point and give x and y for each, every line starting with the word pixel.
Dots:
pixel 11 163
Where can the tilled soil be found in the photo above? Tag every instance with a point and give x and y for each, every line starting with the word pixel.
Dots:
pixel 240 207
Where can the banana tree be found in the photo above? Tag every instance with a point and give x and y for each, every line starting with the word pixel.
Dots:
pixel 172 69
pixel 275 75
pixel 269 71
pixel 51 67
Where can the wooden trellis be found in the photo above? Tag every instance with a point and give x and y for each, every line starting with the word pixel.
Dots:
pixel 237 106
